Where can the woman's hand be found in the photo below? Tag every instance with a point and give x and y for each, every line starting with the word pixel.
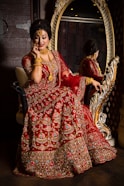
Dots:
pixel 65 74
pixel 36 74
pixel 97 85
pixel 35 52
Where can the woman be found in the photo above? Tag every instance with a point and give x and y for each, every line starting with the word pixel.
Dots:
pixel 89 67
pixel 59 138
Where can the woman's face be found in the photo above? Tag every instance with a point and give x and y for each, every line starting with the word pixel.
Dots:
pixel 41 39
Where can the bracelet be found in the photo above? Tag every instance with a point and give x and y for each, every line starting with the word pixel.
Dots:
pixel 37 64
pixel 38 60
pixel 89 80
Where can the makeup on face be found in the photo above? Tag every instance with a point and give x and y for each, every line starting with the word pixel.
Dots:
pixel 41 39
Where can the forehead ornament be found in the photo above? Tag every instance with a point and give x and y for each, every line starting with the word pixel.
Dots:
pixel 39 32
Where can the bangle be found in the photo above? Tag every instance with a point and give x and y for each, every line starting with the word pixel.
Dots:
pixel 37 64
pixel 89 80
pixel 38 60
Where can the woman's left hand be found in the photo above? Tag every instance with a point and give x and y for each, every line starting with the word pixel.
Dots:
pixel 97 85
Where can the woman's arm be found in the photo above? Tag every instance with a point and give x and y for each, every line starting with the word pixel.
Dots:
pixel 95 83
pixel 26 63
pixel 32 68
pixel 36 74
pixel 73 81
pixel 90 69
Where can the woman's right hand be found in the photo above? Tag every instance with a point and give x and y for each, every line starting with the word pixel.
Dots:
pixel 35 52
pixel 36 74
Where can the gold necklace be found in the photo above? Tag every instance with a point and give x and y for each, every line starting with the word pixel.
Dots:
pixel 44 51
pixel 50 69
pixel 49 64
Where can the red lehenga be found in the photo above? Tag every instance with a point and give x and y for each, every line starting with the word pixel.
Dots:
pixel 59 138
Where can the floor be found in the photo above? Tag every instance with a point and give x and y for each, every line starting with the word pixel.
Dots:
pixel 108 174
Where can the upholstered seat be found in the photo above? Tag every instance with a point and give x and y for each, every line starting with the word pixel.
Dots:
pixel 21 76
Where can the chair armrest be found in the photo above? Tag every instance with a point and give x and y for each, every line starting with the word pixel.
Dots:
pixel 22 95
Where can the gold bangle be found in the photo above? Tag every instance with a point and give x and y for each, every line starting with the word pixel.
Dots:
pixel 37 64
pixel 89 80
pixel 38 60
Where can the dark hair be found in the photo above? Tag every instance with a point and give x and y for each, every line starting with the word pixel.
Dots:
pixel 40 24
pixel 90 47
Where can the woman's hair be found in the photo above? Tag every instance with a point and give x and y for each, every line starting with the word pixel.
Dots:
pixel 40 24
pixel 90 47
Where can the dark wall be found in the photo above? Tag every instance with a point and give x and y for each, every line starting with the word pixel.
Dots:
pixel 14 44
